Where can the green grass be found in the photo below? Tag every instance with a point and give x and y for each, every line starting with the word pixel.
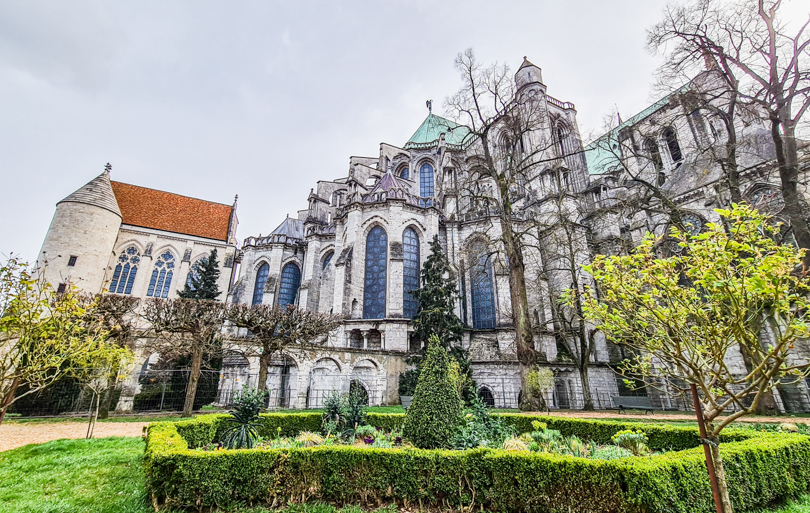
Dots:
pixel 106 475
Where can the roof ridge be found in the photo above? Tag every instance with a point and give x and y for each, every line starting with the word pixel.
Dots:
pixel 172 193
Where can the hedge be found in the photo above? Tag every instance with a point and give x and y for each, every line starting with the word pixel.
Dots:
pixel 762 468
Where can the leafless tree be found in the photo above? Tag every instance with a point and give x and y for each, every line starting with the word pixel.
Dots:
pixel 185 327
pixel 764 63
pixel 275 328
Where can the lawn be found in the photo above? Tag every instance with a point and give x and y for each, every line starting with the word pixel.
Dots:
pixel 105 475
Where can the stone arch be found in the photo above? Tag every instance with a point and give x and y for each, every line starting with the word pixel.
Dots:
pixel 131 242
pixel 325 379
pixel 371 222
pixel 486 395
pixel 282 381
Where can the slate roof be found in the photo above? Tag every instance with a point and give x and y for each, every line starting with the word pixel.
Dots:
pixel 150 208
pixel 293 228
pixel 427 135
pixel 393 187
pixel 97 192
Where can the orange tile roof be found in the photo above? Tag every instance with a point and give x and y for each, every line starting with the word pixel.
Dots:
pixel 161 210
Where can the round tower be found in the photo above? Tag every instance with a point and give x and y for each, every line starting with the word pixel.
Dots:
pixel 82 236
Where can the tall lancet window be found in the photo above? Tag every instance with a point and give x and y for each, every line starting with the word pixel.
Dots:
pixel 426 184
pixel 483 291
pixel 162 275
pixel 410 271
pixel 125 271
pixel 375 276
pixel 261 282
pixel 290 282
pixel 672 145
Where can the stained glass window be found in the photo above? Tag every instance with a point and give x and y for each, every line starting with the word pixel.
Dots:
pixel 672 144
pixel 426 184
pixel 374 284
pixel 162 275
pixel 125 271
pixel 405 173
pixel 261 281
pixel 327 259
pixel 410 272
pixel 655 155
pixel 290 281
pixel 483 292
pixel 693 222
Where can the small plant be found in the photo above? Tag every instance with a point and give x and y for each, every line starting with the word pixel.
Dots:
pixel 634 441
pixel 366 431
pixel 247 405
pixel 480 429
pixel 334 412
pixel 538 426
pixel 309 439
pixel 610 452
pixel 515 444
pixel 787 427
pixel 355 408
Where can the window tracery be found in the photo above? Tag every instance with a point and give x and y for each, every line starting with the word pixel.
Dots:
pixel 375 274
pixel 261 282
pixel 162 275
pixel 483 292
pixel 426 185
pixel 125 271
pixel 410 271
pixel 290 282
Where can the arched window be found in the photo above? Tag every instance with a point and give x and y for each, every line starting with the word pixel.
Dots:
pixel 374 283
pixel 651 147
pixel 162 274
pixel 485 394
pixel 410 271
pixel 327 259
pixel 672 145
pixel 290 281
pixel 426 184
pixel 261 281
pixel 125 271
pixel 194 271
pixel 562 134
pixel 405 173
pixel 483 291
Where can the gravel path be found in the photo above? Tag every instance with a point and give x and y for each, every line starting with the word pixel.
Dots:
pixel 16 435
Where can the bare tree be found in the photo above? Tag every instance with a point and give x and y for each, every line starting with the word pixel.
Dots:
pixel 186 327
pixel 510 139
pixel 762 62
pixel 275 328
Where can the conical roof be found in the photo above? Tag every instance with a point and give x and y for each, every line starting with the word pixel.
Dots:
pixel 97 192
pixel 525 63
pixel 431 129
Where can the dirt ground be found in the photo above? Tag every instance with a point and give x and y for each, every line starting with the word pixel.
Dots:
pixel 16 435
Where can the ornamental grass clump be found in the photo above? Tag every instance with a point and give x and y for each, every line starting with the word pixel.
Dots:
pixel 633 441
pixel 245 419
pixel 435 412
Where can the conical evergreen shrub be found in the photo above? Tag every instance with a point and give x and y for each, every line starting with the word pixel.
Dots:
pixel 435 412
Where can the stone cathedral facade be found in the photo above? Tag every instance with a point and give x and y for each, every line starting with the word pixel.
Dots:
pixel 357 247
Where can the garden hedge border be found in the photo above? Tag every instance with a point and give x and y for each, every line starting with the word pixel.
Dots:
pixel 762 468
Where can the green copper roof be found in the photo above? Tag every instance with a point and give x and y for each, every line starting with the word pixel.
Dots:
pixel 427 135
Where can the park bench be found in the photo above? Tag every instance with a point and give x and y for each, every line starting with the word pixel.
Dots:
pixel 633 403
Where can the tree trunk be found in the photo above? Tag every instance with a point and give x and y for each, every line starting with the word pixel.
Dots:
pixel 9 398
pixel 264 362
pixel 586 386
pixel 786 156
pixel 722 483
pixel 106 399
pixel 193 379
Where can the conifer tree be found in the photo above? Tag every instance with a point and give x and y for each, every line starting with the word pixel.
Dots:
pixel 435 413
pixel 437 300
pixel 203 279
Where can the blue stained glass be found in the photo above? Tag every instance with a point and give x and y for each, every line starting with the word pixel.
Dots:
pixel 405 174
pixel 375 276
pixel 125 271
pixel 261 281
pixel 327 259
pixel 410 272
pixel 483 292
pixel 160 281
pixel 290 281
pixel 426 184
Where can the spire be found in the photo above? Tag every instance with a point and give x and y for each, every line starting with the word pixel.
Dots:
pixel 97 192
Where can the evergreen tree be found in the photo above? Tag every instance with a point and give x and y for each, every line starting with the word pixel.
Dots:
pixel 202 282
pixel 437 300
pixel 435 413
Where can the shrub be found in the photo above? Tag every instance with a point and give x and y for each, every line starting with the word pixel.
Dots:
pixel 355 409
pixel 762 468
pixel 436 408
pixel 480 429
pixel 247 405
pixel 408 381
pixel 633 441
pixel 309 439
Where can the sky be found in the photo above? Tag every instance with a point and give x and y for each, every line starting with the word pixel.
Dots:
pixel 262 99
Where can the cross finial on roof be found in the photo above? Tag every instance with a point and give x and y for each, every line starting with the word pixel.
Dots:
pixel 108 168
pixel 235 197
pixel 429 105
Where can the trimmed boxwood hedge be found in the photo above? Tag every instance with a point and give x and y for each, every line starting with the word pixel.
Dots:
pixel 762 468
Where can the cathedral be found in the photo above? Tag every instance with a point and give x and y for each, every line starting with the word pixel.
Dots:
pixel 358 245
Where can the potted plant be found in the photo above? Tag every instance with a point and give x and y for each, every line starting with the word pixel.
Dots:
pixel 407 386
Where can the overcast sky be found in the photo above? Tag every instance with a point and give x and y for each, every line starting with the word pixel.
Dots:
pixel 262 99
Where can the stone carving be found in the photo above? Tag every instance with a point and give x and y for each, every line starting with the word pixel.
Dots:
pixel 148 250
pixel 187 255
pixel 397 253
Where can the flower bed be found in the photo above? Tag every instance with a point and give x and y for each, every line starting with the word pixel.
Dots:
pixel 762 468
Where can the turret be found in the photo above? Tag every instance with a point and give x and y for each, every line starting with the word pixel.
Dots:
pixel 527 74
pixel 82 236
